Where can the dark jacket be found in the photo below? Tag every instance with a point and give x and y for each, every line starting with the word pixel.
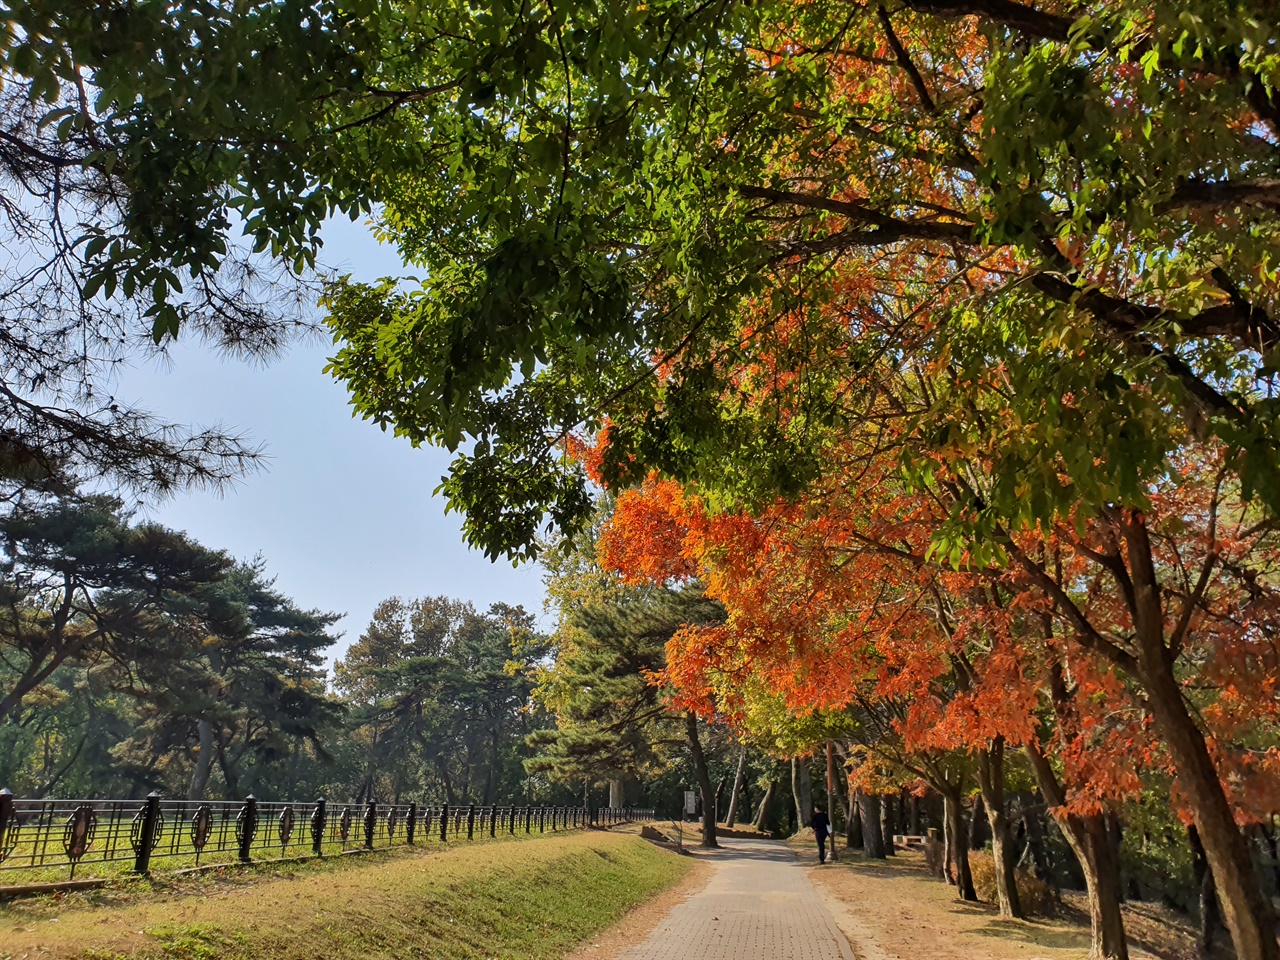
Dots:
pixel 821 825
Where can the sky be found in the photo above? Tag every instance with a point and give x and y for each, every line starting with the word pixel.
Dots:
pixel 343 513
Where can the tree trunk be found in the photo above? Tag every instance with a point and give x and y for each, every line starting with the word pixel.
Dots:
pixel 977 840
pixel 948 843
pixel 762 813
pixel 732 814
pixel 204 761
pixel 443 769
pixel 1210 918
pixel 853 823
pixel 991 780
pixel 1092 845
pixel 913 815
pixel 615 794
pixel 1033 825
pixel 229 776
pixel 1245 910
pixel 872 832
pixel 888 823
pixel 960 849
pixel 704 782
pixel 802 791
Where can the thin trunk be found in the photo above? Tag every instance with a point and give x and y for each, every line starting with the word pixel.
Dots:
pixel 948 843
pixel 204 761
pixel 853 824
pixel 977 839
pixel 872 834
pixel 228 773
pixel 991 780
pixel 913 814
pixel 802 791
pixel 1033 826
pixel 888 824
pixel 960 849
pixel 704 782
pixel 443 769
pixel 762 813
pixel 1210 918
pixel 491 784
pixel 732 814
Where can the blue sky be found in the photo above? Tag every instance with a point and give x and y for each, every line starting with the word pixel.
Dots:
pixel 343 513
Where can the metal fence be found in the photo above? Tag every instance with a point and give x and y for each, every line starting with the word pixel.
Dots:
pixel 53 836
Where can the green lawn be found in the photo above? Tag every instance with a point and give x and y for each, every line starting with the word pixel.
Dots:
pixel 531 899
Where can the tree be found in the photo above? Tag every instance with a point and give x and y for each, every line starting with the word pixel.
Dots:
pixel 239 671
pixel 613 721
pixel 693 190
pixel 441 697
pixel 80 582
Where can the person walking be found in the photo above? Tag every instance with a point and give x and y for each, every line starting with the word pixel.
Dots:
pixel 821 830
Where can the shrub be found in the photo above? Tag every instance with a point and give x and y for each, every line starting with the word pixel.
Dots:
pixel 1038 898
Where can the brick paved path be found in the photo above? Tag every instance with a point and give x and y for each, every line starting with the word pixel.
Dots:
pixel 759 905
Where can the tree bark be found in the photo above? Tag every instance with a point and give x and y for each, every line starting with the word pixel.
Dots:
pixel 704 782
pixel 615 794
pixel 948 843
pixel 204 761
pixel 731 814
pixel 1245 910
pixel 802 791
pixel 976 838
pixel 913 815
pixel 762 813
pixel 1210 919
pixel 991 781
pixel 1093 847
pixel 872 832
pixel 888 823
pixel 960 849
pixel 853 823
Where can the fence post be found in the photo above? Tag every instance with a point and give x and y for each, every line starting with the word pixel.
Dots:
pixel 7 820
pixel 511 829
pixel 148 835
pixel 493 820
pixel 317 827
pixel 528 819
pixel 370 822
pixel 412 824
pixel 471 822
pixel 444 823
pixel 247 826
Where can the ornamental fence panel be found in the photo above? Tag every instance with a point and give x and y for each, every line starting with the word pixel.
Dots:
pixel 49 840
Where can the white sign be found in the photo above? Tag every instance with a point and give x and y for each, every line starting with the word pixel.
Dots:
pixel 690 802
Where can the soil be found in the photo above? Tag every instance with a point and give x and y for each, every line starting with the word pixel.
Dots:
pixel 895 910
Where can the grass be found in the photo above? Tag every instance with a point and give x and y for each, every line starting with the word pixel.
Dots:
pixel 500 900
pixel 177 853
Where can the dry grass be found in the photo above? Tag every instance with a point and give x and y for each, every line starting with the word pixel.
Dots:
pixel 532 900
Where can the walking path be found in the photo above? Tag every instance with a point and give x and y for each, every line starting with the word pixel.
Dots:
pixel 758 905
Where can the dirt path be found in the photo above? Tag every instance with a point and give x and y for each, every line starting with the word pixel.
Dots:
pixel 895 910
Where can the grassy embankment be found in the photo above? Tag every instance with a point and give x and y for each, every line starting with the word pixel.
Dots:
pixel 532 899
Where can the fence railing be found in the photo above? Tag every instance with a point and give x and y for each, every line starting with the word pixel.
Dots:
pixel 63 835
